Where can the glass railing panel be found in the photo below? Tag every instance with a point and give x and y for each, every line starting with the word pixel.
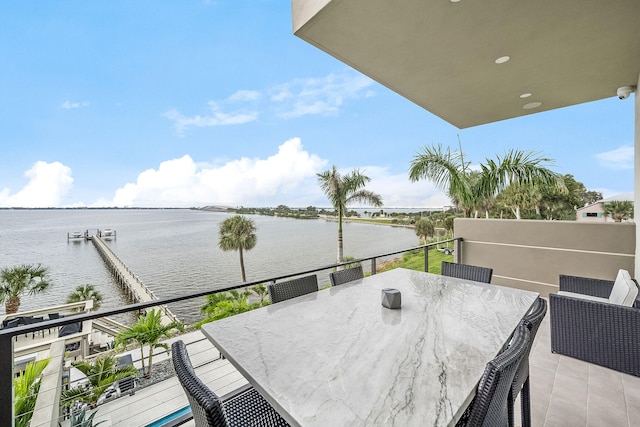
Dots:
pixel 66 359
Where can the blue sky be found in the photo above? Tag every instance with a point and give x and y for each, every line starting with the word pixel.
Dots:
pixel 193 103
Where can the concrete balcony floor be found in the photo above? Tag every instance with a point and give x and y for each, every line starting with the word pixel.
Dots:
pixel 565 392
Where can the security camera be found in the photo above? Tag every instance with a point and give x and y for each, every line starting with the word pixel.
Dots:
pixel 625 91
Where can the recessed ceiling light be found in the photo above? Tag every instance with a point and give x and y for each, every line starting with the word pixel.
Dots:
pixel 525 95
pixel 502 59
pixel 531 105
pixel 454 1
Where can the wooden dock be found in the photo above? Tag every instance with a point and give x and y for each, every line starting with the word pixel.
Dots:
pixel 132 285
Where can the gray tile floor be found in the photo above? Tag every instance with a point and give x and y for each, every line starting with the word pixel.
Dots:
pixel 568 392
pixel 565 392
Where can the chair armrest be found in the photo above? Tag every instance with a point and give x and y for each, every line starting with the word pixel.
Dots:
pixel 586 285
pixel 597 332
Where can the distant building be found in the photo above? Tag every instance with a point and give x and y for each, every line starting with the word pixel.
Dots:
pixel 595 211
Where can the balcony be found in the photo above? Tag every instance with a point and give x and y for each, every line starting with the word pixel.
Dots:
pixel 527 255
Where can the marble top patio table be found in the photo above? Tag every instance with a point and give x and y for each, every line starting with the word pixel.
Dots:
pixel 337 357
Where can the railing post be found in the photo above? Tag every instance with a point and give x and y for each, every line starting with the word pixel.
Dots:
pixel 426 259
pixel 458 251
pixel 373 266
pixel 6 380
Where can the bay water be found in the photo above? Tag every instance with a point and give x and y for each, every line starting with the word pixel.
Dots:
pixel 175 251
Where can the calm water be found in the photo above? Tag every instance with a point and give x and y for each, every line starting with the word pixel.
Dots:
pixel 175 251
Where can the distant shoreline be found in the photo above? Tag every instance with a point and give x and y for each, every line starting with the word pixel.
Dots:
pixel 85 208
pixel 366 221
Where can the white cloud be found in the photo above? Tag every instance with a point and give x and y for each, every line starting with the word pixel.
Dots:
pixel 399 192
pixel 296 98
pixel 620 158
pixel 48 183
pixel 68 105
pixel 245 95
pixel 323 95
pixel 610 192
pixel 286 177
pixel 215 118
pixel 278 179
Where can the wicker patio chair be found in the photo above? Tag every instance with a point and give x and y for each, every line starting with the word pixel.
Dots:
pixel 467 272
pixel 128 384
pixel 521 381
pixel 345 276
pixel 243 407
pixel 293 288
pixel 595 331
pixel 30 320
pixel 489 407
pixel 586 285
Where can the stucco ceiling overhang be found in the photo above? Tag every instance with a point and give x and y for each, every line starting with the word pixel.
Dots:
pixel 441 54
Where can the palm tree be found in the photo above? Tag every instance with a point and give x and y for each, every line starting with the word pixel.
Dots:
pixel 451 172
pixel 518 196
pixel 212 301
pixel 80 419
pixel 618 210
pixel 26 388
pixel 101 373
pixel 424 229
pixel 238 233
pixel 85 293
pixel 260 290
pixel 148 331
pixel 343 190
pixel 15 281
pixel 227 304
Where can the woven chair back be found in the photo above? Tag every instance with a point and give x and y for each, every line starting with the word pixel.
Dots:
pixel 467 272
pixel 292 288
pixel 205 404
pixel 345 276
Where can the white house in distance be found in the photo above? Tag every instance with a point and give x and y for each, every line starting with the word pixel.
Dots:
pixel 595 211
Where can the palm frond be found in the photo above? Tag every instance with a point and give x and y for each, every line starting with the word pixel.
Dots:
pixel 331 185
pixel 522 167
pixel 365 197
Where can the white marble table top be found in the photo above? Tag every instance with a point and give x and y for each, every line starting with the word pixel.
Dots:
pixel 337 357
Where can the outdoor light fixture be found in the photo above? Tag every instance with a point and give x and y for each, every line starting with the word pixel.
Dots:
pixel 531 105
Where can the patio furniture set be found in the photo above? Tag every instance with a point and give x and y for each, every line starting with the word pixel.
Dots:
pixel 28 320
pixel 338 358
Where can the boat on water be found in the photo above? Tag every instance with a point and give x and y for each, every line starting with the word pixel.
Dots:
pixel 76 235
pixel 108 232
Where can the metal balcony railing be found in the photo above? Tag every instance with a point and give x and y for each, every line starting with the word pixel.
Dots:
pixel 7 335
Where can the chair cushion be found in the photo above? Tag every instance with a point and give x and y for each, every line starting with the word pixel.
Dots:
pixel 582 296
pixel 632 298
pixel 624 291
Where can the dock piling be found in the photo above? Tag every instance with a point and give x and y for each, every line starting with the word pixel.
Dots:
pixel 132 285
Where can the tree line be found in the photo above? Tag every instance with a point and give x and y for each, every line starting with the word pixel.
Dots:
pixel 516 185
